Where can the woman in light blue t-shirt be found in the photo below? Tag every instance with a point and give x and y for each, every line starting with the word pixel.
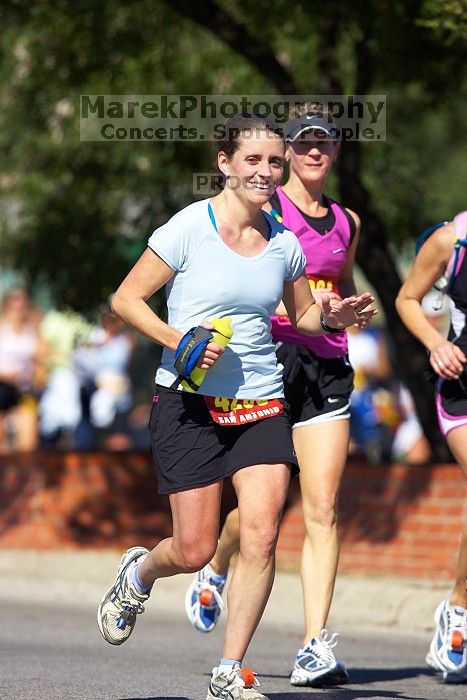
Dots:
pixel 221 258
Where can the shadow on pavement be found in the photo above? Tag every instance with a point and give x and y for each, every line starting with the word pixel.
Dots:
pixel 339 693
pixel 358 676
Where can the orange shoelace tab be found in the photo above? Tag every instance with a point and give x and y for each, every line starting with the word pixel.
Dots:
pixel 248 677
pixel 457 641
pixel 206 597
pixel 240 411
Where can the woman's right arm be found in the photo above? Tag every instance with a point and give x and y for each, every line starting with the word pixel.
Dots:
pixel 147 276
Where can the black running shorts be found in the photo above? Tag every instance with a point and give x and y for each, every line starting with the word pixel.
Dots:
pixel 9 396
pixel 316 389
pixel 191 450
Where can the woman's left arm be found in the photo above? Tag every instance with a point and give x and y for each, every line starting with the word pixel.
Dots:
pixel 336 314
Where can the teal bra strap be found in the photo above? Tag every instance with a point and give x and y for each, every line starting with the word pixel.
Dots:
pixel 212 217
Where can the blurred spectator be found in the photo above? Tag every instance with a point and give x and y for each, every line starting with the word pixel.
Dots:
pixel 112 401
pixel 138 426
pixel 102 368
pixel 369 357
pixel 84 365
pixel 409 444
pixel 145 357
pixel 384 423
pixel 21 359
pixel 60 404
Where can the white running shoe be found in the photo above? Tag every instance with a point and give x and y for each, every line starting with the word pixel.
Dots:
pixel 117 611
pixel 316 666
pixel 203 600
pixel 448 652
pixel 239 684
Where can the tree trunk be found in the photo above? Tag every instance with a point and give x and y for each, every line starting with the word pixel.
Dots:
pixel 373 254
pixel 378 266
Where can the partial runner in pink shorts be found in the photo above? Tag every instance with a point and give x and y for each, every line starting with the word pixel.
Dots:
pixel 451 403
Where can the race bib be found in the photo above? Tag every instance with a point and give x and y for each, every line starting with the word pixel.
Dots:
pixel 241 411
pixel 328 284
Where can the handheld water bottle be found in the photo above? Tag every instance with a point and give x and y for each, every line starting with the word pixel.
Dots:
pixel 222 333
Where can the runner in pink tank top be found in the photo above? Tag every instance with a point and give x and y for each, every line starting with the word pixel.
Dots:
pixel 318 381
pixel 444 255
pixel 326 256
pixel 20 351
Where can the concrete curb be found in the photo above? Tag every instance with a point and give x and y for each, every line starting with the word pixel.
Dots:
pixel 80 578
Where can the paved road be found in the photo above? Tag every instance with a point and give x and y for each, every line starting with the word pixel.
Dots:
pixel 55 652
pixel 81 577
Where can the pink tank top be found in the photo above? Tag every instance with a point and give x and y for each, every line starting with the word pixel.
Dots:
pixel 326 255
pixel 17 354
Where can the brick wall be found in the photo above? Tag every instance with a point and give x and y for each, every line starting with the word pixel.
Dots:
pixel 393 518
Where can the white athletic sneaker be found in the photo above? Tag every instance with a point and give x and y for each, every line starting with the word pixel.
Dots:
pixel 315 664
pixel 239 684
pixel 117 611
pixel 448 652
pixel 203 600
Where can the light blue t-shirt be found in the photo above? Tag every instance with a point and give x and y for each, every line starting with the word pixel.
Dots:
pixel 211 280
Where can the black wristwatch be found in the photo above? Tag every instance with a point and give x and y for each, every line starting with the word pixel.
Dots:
pixel 325 327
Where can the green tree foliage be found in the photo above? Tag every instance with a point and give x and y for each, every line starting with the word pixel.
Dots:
pixel 76 214
pixel 448 18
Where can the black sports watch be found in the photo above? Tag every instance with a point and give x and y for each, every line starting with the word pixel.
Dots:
pixel 325 327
